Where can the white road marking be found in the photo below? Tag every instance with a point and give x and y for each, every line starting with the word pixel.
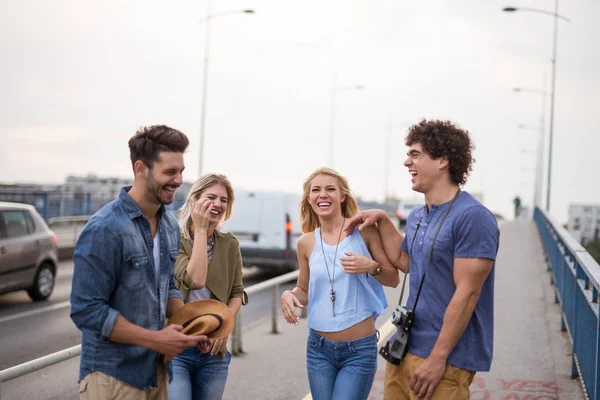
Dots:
pixel 57 306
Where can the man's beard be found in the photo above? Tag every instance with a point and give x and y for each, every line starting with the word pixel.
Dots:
pixel 154 189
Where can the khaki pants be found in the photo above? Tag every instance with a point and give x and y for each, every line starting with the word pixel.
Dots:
pixel 100 386
pixel 454 383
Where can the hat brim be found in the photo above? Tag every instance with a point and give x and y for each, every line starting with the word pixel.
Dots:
pixel 193 317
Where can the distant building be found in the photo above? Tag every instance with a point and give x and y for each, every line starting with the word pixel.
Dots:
pixel 584 222
pixel 105 189
pixel 108 186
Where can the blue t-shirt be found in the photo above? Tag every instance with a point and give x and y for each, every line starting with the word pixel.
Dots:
pixel 470 231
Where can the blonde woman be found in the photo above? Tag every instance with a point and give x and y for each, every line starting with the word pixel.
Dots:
pixel 208 266
pixel 342 285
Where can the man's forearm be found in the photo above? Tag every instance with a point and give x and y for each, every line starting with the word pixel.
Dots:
pixel 391 238
pixel 457 317
pixel 126 332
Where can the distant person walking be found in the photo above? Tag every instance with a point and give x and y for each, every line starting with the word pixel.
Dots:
pixel 517 203
pixel 342 286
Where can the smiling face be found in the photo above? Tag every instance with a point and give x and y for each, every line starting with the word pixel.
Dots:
pixel 217 196
pixel 425 171
pixel 325 196
pixel 164 177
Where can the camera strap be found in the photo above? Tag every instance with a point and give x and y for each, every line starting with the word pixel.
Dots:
pixel 428 255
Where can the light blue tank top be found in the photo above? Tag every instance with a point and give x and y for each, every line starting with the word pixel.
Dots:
pixel 357 297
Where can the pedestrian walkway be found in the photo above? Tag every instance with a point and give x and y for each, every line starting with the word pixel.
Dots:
pixel 532 357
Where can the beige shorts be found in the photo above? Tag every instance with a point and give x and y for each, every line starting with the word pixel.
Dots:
pixel 100 386
pixel 454 383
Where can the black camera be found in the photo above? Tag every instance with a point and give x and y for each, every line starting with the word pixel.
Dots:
pixel 395 350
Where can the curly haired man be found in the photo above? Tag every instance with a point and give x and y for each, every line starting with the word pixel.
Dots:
pixel 455 239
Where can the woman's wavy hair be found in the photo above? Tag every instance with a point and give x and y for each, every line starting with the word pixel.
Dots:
pixel 201 184
pixel 309 220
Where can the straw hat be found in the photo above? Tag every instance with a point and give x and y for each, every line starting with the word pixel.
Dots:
pixel 204 317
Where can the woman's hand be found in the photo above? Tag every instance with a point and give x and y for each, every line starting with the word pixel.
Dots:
pixel 205 346
pixel 289 302
pixel 219 345
pixel 358 264
pixel 201 214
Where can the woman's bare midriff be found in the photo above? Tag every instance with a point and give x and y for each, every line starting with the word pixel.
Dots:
pixel 360 330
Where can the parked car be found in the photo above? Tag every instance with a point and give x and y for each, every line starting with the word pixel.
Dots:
pixel 404 208
pixel 28 252
pixel 267 225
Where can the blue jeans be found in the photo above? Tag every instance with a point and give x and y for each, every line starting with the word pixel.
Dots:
pixel 341 370
pixel 198 376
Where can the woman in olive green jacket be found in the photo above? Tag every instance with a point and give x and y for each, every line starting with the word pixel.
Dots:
pixel 209 266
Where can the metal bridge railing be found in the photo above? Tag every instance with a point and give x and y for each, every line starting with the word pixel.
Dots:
pixel 576 276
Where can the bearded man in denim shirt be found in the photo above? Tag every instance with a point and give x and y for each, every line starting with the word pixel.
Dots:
pixel 123 286
pixel 453 328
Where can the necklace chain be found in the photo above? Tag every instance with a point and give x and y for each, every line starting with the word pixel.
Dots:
pixel 331 279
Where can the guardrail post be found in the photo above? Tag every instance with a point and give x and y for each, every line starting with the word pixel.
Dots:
pixel 274 309
pixel 303 312
pixel 88 204
pixel 597 369
pixel 45 208
pixel 236 335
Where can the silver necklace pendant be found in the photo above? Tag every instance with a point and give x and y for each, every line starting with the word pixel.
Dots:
pixel 331 278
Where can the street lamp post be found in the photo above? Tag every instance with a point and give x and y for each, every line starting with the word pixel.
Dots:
pixel 554 45
pixel 538 173
pixel 540 141
pixel 332 113
pixel 207 21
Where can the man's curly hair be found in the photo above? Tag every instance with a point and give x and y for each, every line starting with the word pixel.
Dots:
pixel 444 139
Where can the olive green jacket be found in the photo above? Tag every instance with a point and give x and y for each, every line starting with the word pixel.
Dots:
pixel 224 276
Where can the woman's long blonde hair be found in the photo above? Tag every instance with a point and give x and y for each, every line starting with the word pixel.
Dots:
pixel 201 184
pixel 308 218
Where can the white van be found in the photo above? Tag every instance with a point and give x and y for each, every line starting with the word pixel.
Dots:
pixel 267 225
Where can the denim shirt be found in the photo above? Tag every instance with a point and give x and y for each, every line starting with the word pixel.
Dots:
pixel 114 275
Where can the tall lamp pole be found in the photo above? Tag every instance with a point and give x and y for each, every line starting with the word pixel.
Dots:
pixel 540 141
pixel 207 22
pixel 552 93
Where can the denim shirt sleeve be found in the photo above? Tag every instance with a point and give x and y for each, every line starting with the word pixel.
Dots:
pixel 174 293
pixel 96 260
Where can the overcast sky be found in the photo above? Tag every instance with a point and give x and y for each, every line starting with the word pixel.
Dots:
pixel 78 78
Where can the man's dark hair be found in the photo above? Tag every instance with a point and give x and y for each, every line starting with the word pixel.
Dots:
pixel 149 141
pixel 444 139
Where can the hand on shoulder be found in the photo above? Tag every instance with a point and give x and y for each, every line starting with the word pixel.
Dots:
pixel 364 219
